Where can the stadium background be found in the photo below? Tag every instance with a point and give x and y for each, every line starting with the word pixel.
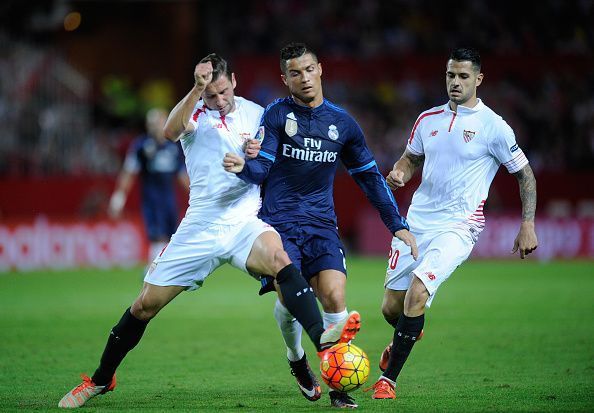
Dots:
pixel 78 76
pixel 76 79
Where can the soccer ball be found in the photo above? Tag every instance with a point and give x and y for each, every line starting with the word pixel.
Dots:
pixel 345 367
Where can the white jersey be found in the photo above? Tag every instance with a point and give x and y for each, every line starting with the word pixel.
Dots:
pixel 218 196
pixel 463 151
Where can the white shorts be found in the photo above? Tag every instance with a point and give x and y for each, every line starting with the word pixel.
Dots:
pixel 198 248
pixel 439 255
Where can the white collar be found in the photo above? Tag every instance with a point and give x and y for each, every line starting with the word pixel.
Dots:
pixel 465 109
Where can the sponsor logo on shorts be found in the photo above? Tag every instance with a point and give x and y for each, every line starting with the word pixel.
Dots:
pixel 430 275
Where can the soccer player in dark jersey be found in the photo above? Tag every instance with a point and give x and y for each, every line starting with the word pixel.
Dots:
pixel 159 163
pixel 303 137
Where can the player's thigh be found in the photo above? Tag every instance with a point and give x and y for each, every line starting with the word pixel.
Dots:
pixel 445 252
pixel 192 255
pixel 329 286
pixel 256 248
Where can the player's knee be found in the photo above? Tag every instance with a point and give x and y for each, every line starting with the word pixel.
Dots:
pixel 144 310
pixel 391 314
pixel 416 298
pixel 280 260
pixel 332 300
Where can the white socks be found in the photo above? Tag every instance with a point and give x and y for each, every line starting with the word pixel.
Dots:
pixel 291 329
pixel 333 318
pixel 392 382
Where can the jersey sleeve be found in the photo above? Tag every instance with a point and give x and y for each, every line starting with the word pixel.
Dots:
pixel 198 109
pixel 415 142
pixel 505 149
pixel 359 161
pixel 256 170
pixel 355 154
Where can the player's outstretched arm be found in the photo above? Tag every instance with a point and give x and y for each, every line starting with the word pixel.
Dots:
pixel 404 169
pixel 526 241
pixel 119 196
pixel 178 122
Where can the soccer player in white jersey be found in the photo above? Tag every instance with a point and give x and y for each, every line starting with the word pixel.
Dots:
pixel 220 226
pixel 461 145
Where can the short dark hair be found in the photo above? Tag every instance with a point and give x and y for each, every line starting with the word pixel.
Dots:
pixel 462 54
pixel 219 66
pixel 292 51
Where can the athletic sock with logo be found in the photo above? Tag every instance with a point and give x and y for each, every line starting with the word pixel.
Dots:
pixel 301 302
pixel 124 336
pixel 405 336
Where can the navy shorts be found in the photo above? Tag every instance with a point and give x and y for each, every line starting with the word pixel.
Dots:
pixel 160 220
pixel 311 248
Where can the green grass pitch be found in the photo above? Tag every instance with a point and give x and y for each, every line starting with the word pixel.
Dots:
pixel 500 336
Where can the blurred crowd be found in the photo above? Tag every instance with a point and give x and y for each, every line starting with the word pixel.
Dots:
pixel 58 120
pixel 367 28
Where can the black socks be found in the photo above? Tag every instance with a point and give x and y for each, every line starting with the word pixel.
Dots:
pixel 405 336
pixel 123 338
pixel 301 302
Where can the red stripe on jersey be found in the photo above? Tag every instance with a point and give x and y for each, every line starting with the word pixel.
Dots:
pixel 437 112
pixel 198 112
pixel 223 122
pixel 452 122
pixel 477 215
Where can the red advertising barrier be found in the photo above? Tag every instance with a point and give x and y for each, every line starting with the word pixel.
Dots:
pixel 563 238
pixel 43 243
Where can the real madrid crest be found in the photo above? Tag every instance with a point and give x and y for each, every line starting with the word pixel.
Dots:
pixel 291 125
pixel 332 132
pixel 261 133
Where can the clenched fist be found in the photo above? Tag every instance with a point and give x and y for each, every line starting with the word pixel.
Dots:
pixel 395 179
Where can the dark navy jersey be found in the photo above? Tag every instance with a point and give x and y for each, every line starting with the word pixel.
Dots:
pixel 157 165
pixel 301 148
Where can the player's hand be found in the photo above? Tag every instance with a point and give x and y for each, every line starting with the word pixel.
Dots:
pixel 252 148
pixel 114 213
pixel 526 240
pixel 395 179
pixel 233 163
pixel 116 205
pixel 202 75
pixel 405 236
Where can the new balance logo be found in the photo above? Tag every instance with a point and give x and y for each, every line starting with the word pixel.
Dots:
pixel 434 133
